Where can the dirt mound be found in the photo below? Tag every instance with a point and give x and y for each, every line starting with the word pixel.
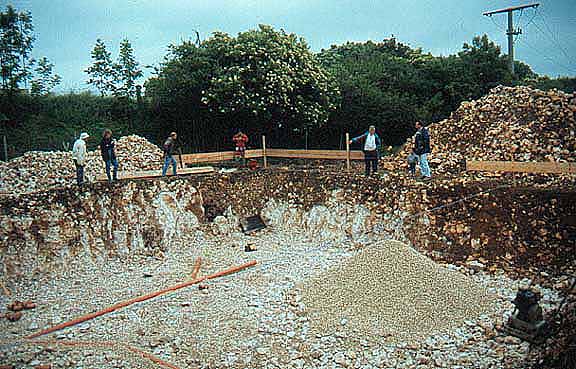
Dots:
pixel 510 123
pixel 391 289
pixel 38 170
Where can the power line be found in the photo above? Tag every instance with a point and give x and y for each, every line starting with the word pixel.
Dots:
pixel 547 57
pixel 553 37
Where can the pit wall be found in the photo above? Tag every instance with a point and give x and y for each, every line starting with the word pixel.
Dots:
pixel 531 228
pixel 334 222
pixel 41 232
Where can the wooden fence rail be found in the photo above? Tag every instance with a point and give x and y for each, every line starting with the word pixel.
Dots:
pixel 521 167
pixel 213 157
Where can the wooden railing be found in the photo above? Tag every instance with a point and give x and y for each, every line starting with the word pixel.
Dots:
pixel 521 167
pixel 214 157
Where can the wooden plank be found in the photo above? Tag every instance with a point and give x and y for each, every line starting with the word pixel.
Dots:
pixel 157 173
pixel 520 167
pixel 213 157
pixel 315 154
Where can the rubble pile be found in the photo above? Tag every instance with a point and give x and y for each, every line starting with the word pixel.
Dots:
pixel 39 170
pixel 508 124
pixel 391 285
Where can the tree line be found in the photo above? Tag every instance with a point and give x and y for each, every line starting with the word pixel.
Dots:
pixel 263 81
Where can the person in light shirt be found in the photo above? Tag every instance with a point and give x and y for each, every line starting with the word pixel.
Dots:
pixel 371 143
pixel 79 156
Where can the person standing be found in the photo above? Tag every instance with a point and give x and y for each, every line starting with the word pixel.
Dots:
pixel 422 149
pixel 79 156
pixel 240 139
pixel 107 149
pixel 371 148
pixel 169 146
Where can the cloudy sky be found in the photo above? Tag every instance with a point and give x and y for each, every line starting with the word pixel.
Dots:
pixel 66 30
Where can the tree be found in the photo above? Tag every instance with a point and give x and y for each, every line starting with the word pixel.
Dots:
pixel 127 70
pixel 271 76
pixel 16 43
pixel 102 73
pixel 259 80
pixel 45 79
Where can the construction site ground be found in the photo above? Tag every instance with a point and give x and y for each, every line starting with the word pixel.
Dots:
pixel 321 220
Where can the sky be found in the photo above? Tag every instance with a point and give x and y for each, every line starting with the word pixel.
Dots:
pixel 66 30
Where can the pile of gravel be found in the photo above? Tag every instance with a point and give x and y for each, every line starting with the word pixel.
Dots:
pixel 390 289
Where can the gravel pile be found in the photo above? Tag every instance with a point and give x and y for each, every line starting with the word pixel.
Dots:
pixel 39 170
pixel 389 289
pixel 510 123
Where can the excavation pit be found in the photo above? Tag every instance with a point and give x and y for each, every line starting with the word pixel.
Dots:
pixel 92 249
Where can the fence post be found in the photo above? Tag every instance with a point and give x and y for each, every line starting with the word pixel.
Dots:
pixel 5 148
pixel 347 151
pixel 264 151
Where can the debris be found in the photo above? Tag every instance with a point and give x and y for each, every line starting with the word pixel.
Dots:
pixel 140 299
pixel 38 170
pixel 13 317
pixel 196 269
pixel 389 286
pixel 250 247
pixel 29 305
pixel 252 224
pixel 6 290
pixel 509 124
pixel 16 306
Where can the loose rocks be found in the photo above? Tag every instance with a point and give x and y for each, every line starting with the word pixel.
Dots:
pixel 390 289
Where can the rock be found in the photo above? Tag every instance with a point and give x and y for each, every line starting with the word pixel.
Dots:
pixel 262 350
pixel 340 359
pixel 511 340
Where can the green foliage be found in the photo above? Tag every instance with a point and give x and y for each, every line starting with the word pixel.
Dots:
pixel 271 75
pixel 263 77
pixel 102 73
pixel 16 43
pixel 128 71
pixel 45 79
pixel 546 83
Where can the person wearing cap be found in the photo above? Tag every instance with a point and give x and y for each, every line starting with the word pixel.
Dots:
pixel 371 146
pixel 107 150
pixel 168 147
pixel 79 156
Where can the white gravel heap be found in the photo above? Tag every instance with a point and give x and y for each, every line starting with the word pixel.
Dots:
pixel 38 170
pixel 390 289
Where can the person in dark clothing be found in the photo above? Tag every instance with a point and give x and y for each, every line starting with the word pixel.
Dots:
pixel 371 146
pixel 422 149
pixel 107 149
pixel 169 147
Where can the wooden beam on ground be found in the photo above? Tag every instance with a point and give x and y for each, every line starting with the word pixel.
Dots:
pixel 157 173
pixel 520 167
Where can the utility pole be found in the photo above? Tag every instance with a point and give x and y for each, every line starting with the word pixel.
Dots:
pixel 511 32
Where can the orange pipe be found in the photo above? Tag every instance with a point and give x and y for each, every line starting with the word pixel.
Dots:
pixel 105 344
pixel 196 268
pixel 139 299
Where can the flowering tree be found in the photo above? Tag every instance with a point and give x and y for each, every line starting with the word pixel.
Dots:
pixel 271 75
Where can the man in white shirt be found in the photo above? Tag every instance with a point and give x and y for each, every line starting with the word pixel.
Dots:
pixel 371 149
pixel 79 156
